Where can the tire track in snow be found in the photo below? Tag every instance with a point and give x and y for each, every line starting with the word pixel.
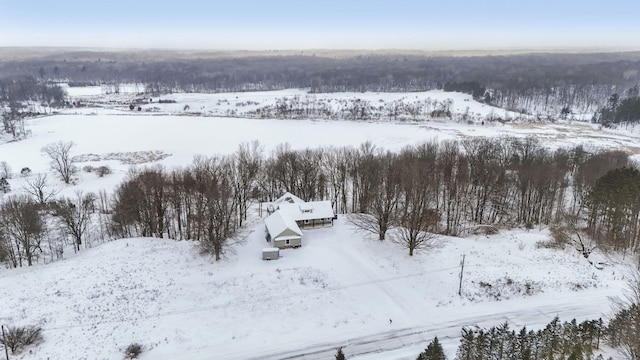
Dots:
pixel 583 306
pixel 357 261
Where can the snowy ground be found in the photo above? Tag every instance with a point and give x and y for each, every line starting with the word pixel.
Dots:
pixel 339 289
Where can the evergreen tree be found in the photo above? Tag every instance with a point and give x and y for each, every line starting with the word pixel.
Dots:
pixel 340 355
pixel 433 351
pixel 466 350
pixel 561 341
pixel 522 348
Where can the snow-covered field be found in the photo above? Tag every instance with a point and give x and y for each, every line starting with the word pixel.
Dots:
pixel 110 127
pixel 339 289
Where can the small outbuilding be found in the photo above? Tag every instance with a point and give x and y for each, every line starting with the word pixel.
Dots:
pixel 271 253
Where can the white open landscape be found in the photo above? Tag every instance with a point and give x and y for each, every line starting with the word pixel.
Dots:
pixel 340 288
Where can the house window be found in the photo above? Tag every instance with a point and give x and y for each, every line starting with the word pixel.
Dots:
pixel 286 242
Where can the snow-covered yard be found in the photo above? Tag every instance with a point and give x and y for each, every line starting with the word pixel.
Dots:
pixel 339 287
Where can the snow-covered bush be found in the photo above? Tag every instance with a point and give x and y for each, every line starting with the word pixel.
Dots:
pixel 17 337
pixel 103 170
pixel 133 351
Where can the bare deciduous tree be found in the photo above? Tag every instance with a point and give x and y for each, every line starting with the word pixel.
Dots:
pixel 217 213
pixel 24 227
pixel 383 196
pixel 40 189
pixel 418 217
pixel 248 163
pixel 568 232
pixel 61 160
pixel 415 230
pixel 5 170
pixel 74 214
pixel 142 204
pixel 338 164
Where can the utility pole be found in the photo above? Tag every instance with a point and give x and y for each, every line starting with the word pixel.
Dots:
pixel 4 343
pixel 461 273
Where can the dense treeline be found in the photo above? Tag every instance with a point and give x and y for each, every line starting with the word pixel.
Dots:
pixel 569 340
pixel 589 198
pixel 450 187
pixel 27 88
pixel 534 83
pixel 618 111
pixel 35 229
pixel 207 201
pixel 403 109
pixel 22 97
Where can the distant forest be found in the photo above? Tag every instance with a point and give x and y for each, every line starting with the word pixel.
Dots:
pixel 529 83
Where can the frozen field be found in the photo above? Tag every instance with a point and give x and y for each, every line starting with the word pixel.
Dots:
pixel 105 129
pixel 339 289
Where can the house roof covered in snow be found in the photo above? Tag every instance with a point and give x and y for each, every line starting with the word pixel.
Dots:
pixel 308 210
pixel 277 224
pixel 288 198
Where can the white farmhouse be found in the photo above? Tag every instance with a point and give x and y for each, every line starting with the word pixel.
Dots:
pixel 289 214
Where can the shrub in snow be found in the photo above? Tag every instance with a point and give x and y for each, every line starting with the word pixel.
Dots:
pixel 25 171
pixel 340 355
pixel 103 170
pixel 485 230
pixel 17 337
pixel 503 288
pixel 100 170
pixel 133 351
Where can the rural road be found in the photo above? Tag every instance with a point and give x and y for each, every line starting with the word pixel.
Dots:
pixel 582 306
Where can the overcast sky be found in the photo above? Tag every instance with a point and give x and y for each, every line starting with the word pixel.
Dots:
pixel 322 24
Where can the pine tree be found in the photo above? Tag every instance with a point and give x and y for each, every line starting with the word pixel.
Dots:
pixel 433 351
pixel 522 348
pixel 466 350
pixel 340 355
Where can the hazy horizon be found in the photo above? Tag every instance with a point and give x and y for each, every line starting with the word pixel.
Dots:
pixel 354 25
